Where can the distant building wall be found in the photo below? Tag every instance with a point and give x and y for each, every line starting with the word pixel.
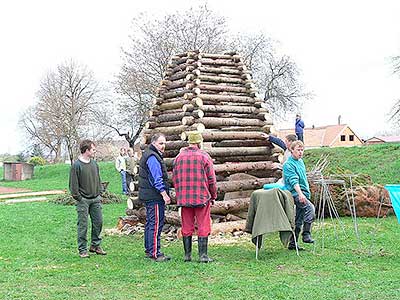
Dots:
pixel 16 171
pixel 346 138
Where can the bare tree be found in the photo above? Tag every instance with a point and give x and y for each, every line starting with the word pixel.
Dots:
pixel 61 116
pixel 154 41
pixel 277 76
pixel 394 114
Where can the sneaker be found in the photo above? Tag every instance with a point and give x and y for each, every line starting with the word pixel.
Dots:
pixel 98 250
pixel 84 255
pixel 161 258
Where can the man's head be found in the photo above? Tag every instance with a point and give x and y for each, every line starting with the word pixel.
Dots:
pixel 130 152
pixel 88 148
pixel 298 116
pixel 297 149
pixel 122 151
pixel 158 140
pixel 289 139
pixel 195 138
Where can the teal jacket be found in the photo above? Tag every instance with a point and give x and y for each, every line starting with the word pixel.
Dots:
pixel 294 172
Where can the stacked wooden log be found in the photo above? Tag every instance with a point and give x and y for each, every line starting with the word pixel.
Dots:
pixel 215 94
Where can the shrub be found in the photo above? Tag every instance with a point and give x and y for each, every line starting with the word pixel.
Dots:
pixel 37 161
pixel 107 198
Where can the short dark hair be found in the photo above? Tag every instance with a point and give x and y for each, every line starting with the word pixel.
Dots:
pixel 156 136
pixel 85 145
pixel 291 137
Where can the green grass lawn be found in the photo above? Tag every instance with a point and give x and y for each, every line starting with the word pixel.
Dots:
pixel 38 255
pixel 55 177
pixel 38 260
pixel 381 162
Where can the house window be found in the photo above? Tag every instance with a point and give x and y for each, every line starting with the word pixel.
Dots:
pixel 351 138
pixel 342 138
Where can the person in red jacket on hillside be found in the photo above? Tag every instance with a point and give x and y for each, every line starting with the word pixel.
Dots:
pixel 196 189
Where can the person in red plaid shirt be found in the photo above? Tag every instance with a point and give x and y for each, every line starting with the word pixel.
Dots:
pixel 196 189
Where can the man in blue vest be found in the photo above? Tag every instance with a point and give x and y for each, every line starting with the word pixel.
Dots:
pixel 153 190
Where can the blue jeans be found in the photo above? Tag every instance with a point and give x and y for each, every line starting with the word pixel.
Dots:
pixel 305 212
pixel 123 179
pixel 155 215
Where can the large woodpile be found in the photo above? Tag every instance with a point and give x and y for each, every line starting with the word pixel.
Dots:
pixel 215 94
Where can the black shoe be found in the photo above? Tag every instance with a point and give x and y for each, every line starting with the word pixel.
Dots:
pixel 161 258
pixel 98 250
pixel 293 247
pixel 307 239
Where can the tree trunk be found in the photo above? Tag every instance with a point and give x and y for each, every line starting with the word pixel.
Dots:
pixel 243 143
pixel 217 88
pixel 237 151
pixel 171 217
pixel 174 84
pixel 230 206
pixel 156 112
pixel 152 125
pixel 218 79
pixel 265 117
pixel 226 227
pixel 246 166
pixel 218 62
pixel 174 94
pixel 213 136
pixel 170 117
pixel 229 98
pixel 233 109
pixel 241 185
pixel 173 145
pixel 211 122
pixel 176 129
pixel 247 158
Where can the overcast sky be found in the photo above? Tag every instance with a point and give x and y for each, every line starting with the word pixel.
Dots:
pixel 343 49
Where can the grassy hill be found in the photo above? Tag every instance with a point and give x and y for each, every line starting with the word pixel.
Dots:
pixel 51 177
pixel 380 162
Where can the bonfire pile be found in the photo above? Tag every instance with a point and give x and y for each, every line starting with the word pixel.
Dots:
pixel 215 94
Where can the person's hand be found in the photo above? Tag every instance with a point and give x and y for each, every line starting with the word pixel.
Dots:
pixel 166 198
pixel 302 198
pixel 264 135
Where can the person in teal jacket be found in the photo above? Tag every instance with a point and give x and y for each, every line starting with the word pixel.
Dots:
pixel 295 179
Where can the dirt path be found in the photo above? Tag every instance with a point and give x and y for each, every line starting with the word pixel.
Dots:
pixel 8 190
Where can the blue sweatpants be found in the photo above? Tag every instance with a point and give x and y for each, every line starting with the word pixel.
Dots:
pixel 305 212
pixel 155 215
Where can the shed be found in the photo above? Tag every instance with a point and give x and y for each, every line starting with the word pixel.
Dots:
pixel 16 171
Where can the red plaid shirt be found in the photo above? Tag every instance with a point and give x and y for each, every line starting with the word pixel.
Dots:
pixel 194 178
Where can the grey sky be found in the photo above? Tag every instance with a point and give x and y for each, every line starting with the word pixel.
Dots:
pixel 342 48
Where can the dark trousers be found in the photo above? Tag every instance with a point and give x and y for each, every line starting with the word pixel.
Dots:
pixel 129 179
pixel 300 136
pixel 155 214
pixel 92 208
pixel 305 212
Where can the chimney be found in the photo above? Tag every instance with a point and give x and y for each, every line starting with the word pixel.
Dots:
pixel 339 119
